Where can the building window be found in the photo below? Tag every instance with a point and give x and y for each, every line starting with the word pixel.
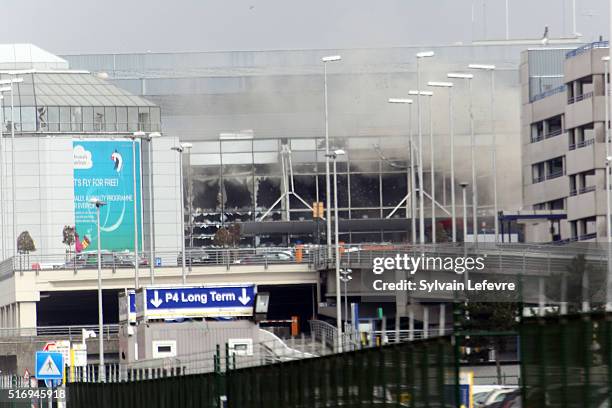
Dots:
pixel 76 118
pixel 555 168
pixel 28 119
pixel 557 204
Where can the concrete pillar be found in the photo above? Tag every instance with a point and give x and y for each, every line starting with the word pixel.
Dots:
pixel 26 316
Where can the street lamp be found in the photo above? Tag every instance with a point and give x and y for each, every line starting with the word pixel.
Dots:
pixel 326 60
pixel 431 163
pixel 2 164
pixel 451 131
pixel 606 61
pixel 346 278
pixel 411 194
pixel 608 205
pixel 419 56
pixel 10 82
pixel 102 374
pixel 491 68
pixel 149 138
pixel 334 157
pixel 608 220
pixel 468 78
pixel 179 149
pixel 465 226
pixel 135 135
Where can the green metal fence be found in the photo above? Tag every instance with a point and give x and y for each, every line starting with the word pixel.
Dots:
pixel 416 374
pixel 567 361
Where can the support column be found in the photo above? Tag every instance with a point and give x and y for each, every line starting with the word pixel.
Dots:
pixel 26 315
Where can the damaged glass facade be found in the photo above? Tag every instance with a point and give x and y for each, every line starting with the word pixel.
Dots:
pixel 238 181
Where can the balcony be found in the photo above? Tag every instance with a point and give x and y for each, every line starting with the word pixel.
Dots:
pixel 587 95
pixel 540 137
pixel 547 188
pixel 579 145
pixel 583 190
pixel 585 203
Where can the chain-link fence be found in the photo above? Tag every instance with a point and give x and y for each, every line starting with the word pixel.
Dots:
pixel 415 374
pixel 567 361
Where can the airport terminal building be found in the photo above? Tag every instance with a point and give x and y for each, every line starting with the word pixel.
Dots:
pixel 249 114
pixel 69 139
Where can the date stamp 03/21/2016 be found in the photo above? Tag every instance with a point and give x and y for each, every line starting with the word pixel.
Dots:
pixel 31 394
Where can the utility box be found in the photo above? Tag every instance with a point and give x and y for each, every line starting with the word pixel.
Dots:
pixel 190 343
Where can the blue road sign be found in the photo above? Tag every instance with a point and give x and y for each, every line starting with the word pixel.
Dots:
pixel 49 365
pixel 209 301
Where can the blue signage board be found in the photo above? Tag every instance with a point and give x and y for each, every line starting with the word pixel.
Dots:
pixel 105 169
pixel 195 301
pixel 49 365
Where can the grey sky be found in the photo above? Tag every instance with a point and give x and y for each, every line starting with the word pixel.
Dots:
pixel 77 26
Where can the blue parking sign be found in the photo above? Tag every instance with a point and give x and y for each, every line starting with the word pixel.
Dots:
pixel 49 365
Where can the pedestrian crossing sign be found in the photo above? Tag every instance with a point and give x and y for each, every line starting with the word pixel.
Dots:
pixel 49 365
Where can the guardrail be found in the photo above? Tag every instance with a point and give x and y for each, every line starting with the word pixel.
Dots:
pixel 581 144
pixel 548 93
pixel 316 257
pixel 585 48
pixel 579 98
pixel 64 332
pixel 194 257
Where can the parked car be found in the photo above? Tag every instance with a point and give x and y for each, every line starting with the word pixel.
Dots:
pixel 485 395
pixel 87 260
pixel 267 257
pixel 194 257
pixel 510 400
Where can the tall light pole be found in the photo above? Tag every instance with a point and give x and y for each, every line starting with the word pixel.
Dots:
pixel 507 20
pixel 429 94
pixel 135 135
pixel 609 274
pixel 346 278
pixel 180 149
pixel 3 168
pixel 325 60
pixel 465 230
pixel 334 156
pixel 606 62
pixel 412 192
pixel 451 131
pixel 2 165
pixel 419 56
pixel 11 82
pixel 468 78
pixel 491 69
pixel 608 243
pixel 149 138
pixel 102 374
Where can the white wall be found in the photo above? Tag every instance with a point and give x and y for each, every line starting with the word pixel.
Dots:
pixel 45 193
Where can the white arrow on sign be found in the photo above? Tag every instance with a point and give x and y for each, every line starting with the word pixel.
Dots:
pixel 244 299
pixel 156 301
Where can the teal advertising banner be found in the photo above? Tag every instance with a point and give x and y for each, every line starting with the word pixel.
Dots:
pixel 104 169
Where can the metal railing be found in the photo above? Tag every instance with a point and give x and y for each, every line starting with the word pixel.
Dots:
pixel 227 257
pixel 218 359
pixel 64 332
pixel 579 145
pixel 581 97
pixel 585 48
pixel 548 93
